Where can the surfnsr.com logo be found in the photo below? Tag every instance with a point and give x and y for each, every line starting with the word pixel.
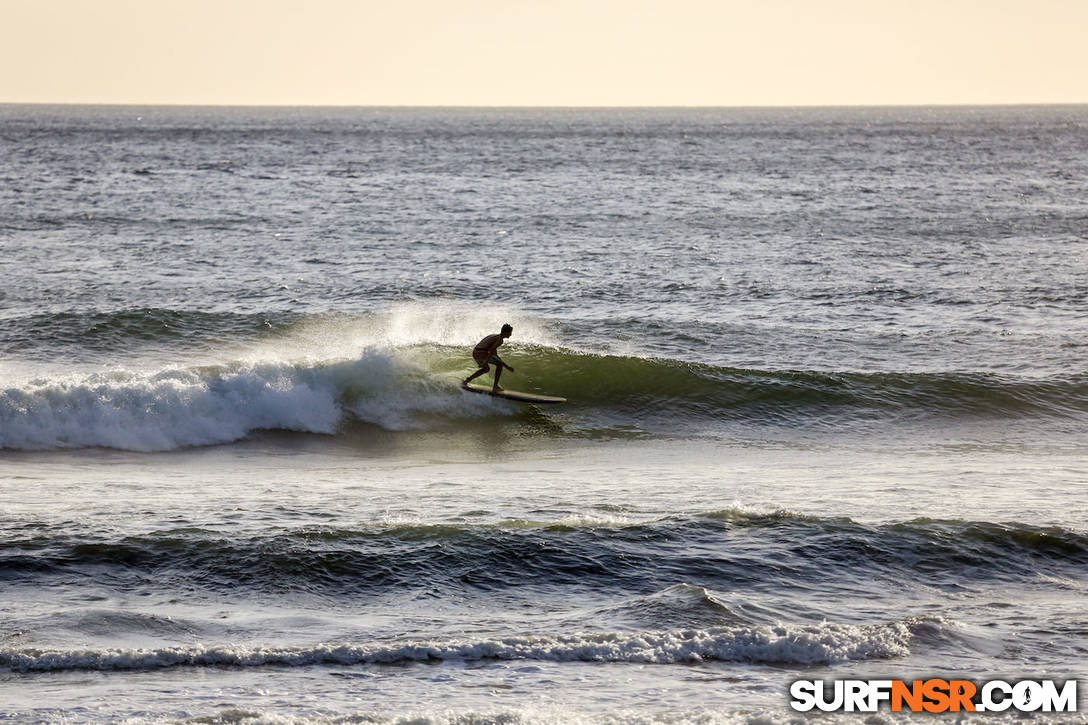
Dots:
pixel 934 695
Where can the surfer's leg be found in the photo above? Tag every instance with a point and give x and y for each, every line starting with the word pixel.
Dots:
pixel 483 369
pixel 495 388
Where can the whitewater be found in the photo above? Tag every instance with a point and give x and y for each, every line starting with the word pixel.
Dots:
pixel 826 385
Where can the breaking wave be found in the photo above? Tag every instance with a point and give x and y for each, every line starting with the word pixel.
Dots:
pixel 823 643
pixel 416 387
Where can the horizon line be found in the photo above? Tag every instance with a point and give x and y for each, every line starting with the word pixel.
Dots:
pixel 551 107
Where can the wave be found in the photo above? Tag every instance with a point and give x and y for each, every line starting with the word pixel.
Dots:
pixel 804 644
pixel 790 395
pixel 399 369
pixel 416 387
pixel 787 549
pixel 208 405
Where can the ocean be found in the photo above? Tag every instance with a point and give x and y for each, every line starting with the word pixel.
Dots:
pixel 827 399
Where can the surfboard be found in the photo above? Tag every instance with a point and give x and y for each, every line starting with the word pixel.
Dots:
pixel 513 394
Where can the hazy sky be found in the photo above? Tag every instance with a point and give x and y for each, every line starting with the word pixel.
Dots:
pixel 544 52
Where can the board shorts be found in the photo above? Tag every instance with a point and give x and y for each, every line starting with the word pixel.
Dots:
pixel 483 362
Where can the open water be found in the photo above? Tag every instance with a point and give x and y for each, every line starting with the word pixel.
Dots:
pixel 828 396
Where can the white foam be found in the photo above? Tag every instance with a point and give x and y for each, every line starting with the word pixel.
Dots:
pixel 596 520
pixel 312 378
pixel 554 714
pixel 175 408
pixel 823 643
pixel 527 714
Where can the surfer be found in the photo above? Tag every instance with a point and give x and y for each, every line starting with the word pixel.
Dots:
pixel 485 354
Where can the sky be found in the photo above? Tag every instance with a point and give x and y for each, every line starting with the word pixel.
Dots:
pixel 544 52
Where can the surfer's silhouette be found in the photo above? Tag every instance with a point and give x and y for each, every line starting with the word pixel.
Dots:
pixel 485 354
